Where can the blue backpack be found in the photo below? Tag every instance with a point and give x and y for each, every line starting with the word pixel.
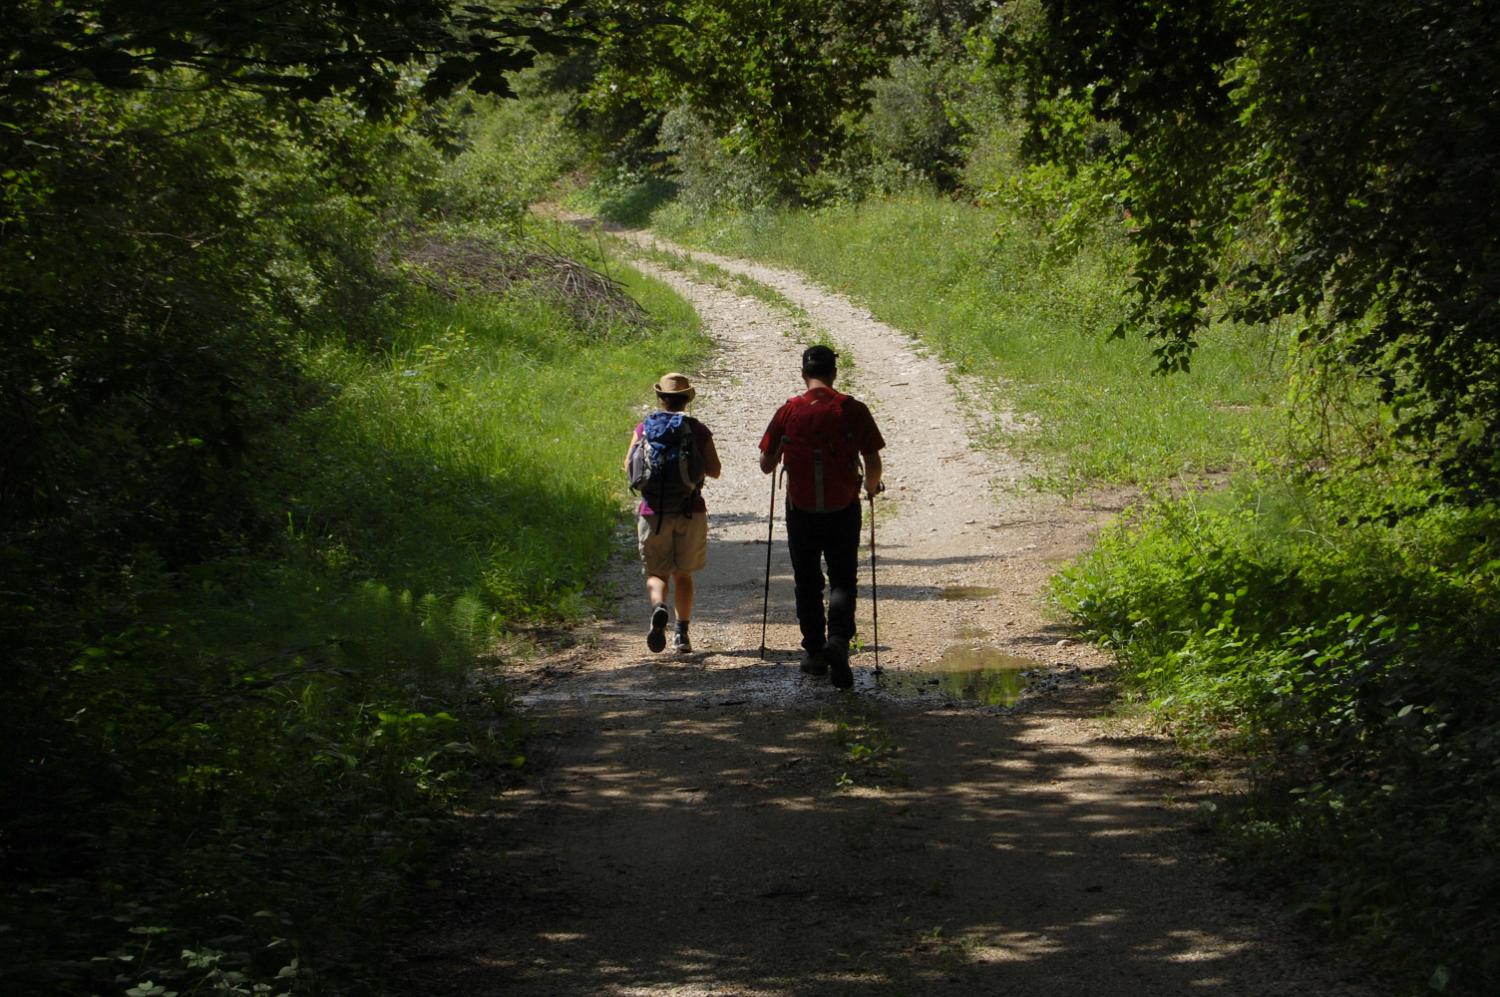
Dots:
pixel 665 464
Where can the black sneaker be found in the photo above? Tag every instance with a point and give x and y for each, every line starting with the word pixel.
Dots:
pixel 681 644
pixel 837 655
pixel 813 663
pixel 656 639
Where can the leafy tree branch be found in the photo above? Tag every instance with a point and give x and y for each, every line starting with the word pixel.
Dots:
pixel 1323 160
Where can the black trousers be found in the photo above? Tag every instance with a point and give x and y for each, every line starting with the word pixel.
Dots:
pixel 812 538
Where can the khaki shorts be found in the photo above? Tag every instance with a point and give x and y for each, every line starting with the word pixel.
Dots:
pixel 680 547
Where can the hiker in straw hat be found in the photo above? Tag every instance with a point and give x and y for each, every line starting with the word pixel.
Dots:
pixel 670 455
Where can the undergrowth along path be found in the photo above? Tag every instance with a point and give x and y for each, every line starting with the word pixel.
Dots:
pixel 719 824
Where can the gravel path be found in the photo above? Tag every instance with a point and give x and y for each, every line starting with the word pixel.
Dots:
pixel 721 824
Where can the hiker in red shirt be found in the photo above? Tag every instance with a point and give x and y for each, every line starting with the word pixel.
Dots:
pixel 670 455
pixel 821 436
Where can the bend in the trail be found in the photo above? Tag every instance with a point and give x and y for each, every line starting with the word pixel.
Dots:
pixel 723 824
pixel 962 548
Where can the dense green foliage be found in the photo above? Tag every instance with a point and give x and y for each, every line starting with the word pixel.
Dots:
pixel 1353 667
pixel 1319 159
pixel 775 86
pixel 368 50
pixel 727 104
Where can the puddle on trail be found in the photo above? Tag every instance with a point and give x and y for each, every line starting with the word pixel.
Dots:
pixel 959 593
pixel 965 671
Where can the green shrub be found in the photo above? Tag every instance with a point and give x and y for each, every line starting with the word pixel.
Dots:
pixel 1351 663
pixel 710 176
pixel 911 120
pixel 513 151
pixel 626 195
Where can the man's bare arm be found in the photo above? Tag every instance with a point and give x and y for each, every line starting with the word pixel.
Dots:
pixel 873 471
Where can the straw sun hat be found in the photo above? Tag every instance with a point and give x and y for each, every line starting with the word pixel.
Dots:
pixel 675 384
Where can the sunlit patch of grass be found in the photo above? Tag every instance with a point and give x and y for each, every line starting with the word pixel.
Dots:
pixel 481 452
pixel 624 196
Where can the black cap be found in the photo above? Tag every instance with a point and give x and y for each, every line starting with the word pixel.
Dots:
pixel 819 360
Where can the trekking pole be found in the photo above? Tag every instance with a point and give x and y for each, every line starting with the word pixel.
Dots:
pixel 874 588
pixel 765 604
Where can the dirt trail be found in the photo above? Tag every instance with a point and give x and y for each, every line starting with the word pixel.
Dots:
pixel 721 824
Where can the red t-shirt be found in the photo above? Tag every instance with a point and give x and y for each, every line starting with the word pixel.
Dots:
pixel 859 426
pixel 702 434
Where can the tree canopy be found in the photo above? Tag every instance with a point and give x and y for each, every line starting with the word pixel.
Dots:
pixel 305 50
pixel 1315 159
pixel 776 81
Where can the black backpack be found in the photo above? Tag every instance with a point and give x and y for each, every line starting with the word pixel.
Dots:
pixel 665 464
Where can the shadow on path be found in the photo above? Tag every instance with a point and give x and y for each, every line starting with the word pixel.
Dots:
pixel 716 851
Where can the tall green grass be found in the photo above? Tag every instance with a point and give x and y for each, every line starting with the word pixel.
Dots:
pixel 978 285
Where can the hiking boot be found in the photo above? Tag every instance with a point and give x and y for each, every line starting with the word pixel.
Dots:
pixel 656 639
pixel 836 653
pixel 681 644
pixel 813 663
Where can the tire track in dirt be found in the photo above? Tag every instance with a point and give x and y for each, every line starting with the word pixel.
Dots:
pixel 707 825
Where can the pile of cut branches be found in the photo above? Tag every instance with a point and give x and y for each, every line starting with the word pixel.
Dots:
pixel 457 265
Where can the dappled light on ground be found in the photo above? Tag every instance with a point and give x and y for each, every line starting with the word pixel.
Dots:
pixel 721 852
